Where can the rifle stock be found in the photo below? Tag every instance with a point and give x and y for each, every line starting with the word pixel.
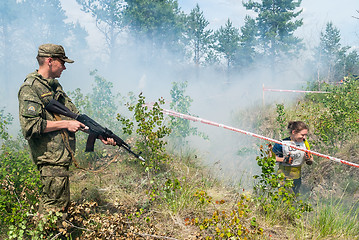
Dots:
pixel 95 129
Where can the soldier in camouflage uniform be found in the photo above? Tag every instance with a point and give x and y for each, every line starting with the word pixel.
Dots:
pixel 51 139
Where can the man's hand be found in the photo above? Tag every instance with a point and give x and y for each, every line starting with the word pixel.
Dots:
pixel 70 125
pixel 74 126
pixel 108 141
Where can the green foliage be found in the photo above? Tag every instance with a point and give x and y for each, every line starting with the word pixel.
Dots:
pixel 19 181
pixel 19 40
pixel 203 197
pixel 44 227
pixel 181 128
pixel 101 104
pixel 350 62
pixel 5 120
pixel 236 223
pixel 169 191
pixel 335 115
pixel 333 60
pixel 150 130
pixel 227 42
pixel 247 42
pixel 330 41
pixel 170 187
pixel 328 53
pixel 81 101
pixel 281 120
pixel 164 188
pixel 274 193
pixel 20 15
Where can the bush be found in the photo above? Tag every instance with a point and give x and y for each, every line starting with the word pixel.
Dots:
pixel 149 125
pixel 273 192
pixel 19 183
pixel 334 116
pixel 233 223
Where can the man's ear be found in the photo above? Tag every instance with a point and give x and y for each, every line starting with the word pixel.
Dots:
pixel 49 61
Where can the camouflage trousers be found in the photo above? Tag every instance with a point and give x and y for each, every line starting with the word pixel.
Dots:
pixel 55 195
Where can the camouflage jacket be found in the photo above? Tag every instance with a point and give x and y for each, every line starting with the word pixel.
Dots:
pixel 34 94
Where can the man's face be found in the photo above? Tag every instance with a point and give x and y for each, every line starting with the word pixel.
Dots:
pixel 56 67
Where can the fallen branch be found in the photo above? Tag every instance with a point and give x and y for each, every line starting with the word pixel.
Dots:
pixel 56 236
pixel 74 226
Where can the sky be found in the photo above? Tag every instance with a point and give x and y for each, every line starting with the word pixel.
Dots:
pixel 315 16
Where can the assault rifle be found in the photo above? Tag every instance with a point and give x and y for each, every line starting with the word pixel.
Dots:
pixel 95 129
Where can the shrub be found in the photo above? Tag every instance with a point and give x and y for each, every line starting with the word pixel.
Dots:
pixel 233 223
pixel 335 115
pixel 273 192
pixel 149 125
pixel 19 182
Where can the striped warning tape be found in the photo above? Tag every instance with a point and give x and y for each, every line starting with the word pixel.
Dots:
pixel 295 91
pixel 197 119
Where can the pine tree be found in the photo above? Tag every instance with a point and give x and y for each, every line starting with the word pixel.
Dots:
pixel 333 61
pixel 276 22
pixel 199 38
pixel 328 51
pixel 227 43
pixel 352 63
pixel 246 54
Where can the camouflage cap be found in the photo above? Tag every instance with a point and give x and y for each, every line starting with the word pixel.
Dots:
pixel 54 51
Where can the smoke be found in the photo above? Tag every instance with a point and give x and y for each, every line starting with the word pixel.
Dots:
pixel 219 101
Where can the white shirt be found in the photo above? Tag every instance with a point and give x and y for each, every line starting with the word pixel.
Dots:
pixel 297 155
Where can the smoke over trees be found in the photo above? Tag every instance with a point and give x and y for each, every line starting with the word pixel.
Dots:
pixel 109 20
pixel 148 33
pixel 159 23
pixel 160 27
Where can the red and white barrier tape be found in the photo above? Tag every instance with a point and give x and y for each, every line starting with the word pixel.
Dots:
pixel 196 119
pixel 295 91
